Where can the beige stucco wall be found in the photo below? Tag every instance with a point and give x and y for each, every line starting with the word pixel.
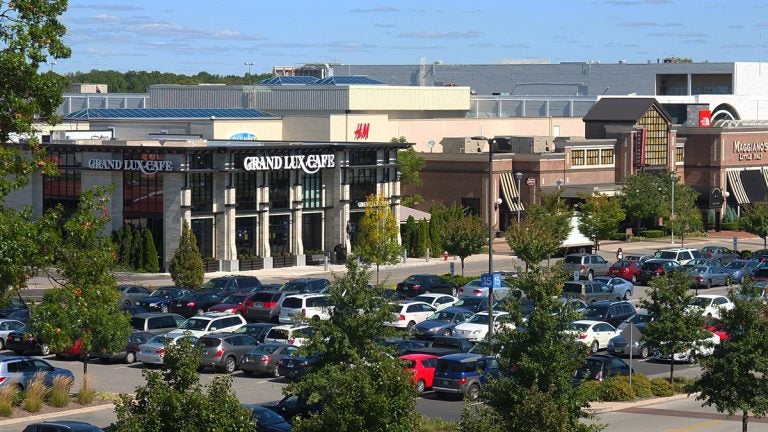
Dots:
pixel 306 128
pixel 408 98
pixel 380 128
pixel 268 129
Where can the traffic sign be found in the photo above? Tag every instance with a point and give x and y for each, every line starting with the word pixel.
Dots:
pixel 488 279
pixel 530 181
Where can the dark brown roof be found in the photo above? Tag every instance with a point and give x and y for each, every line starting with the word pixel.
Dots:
pixel 623 110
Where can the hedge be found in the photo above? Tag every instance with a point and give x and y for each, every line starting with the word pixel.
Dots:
pixel 729 226
pixel 661 387
pixel 619 236
pixel 652 233
pixel 617 389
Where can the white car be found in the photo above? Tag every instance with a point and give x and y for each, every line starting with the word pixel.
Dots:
pixel 295 308
pixel 704 347
pixel 409 313
pixel 594 334
pixel 153 351
pixel 209 322
pixel 711 305
pixel 437 301
pixel 473 289
pixel 476 327
pixel 296 335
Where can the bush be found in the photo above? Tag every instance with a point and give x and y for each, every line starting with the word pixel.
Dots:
pixel 58 396
pixel 620 236
pixel 745 254
pixel 86 395
pixel 652 233
pixel 35 393
pixel 427 424
pixel 683 384
pixel 186 266
pixel 661 387
pixel 617 389
pixel 592 390
pixel 641 386
pixel 8 395
pixel 730 215
pixel 729 226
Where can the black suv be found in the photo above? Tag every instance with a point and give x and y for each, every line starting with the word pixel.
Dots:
pixel 419 284
pixel 613 313
pixel 599 367
pixel 229 284
pixel 307 285
pixel 657 267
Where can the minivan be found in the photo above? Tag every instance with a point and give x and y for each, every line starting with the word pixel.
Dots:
pixel 266 305
pixel 305 306
pixel 587 266
pixel 459 374
pixel 156 322
pixel 589 291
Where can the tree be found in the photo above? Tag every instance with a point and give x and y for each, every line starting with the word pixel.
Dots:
pixel 85 310
pixel 149 260
pixel 27 246
pixel 126 243
pixel 735 377
pixel 440 216
pixel 643 196
pixel 174 399
pixel 378 236
pixel 754 220
pixel 423 239
pixel 361 385
pixel 554 213
pixel 186 265
pixel 410 236
pixel 674 329
pixel 600 216
pixel 533 240
pixel 466 236
pixel 410 165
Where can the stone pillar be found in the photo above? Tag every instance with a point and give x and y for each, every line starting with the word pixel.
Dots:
pixel 176 202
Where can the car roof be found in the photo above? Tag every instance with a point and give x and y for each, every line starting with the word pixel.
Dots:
pixel 710 296
pixel 9 357
pixel 678 250
pixel 461 357
pixel 290 327
pixel 154 314
pixel 602 304
pixel 71 424
pixel 433 295
pixel 307 295
pixel 455 309
pixel 589 322
pixel 600 357
pixel 418 356
pixel 409 302
pixel 658 260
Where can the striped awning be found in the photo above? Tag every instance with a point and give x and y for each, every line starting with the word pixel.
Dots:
pixel 509 189
pixel 736 187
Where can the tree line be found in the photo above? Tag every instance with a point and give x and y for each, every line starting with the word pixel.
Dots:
pixel 138 81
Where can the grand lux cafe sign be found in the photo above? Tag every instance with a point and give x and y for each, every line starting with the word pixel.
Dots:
pixel 145 166
pixel 750 151
pixel 309 163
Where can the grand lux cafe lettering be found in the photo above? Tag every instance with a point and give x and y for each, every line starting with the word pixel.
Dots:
pixel 309 163
pixel 750 151
pixel 145 166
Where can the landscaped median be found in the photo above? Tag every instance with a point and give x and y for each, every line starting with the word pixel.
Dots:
pixel 616 393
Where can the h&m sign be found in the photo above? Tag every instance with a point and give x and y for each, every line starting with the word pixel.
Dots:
pixel 310 164
pixel 145 166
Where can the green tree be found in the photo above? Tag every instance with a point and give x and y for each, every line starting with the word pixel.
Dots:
pixel 541 233
pixel 149 262
pixel 735 377
pixel 643 197
pixel 600 216
pixel 754 220
pixel 410 165
pixel 378 236
pixel 137 249
pixel 85 310
pixel 423 239
pixel 410 236
pixel 440 216
pixel 186 265
pixel 362 386
pixel 174 399
pixel 675 329
pixel 126 243
pixel 554 213
pixel 27 246
pixel 466 236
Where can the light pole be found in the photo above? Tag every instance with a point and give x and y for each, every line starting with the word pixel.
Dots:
pixel 673 177
pixel 250 78
pixel 490 200
pixel 519 177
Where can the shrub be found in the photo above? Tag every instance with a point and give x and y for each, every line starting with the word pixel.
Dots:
pixel 620 236
pixel 745 254
pixel 617 389
pixel 652 233
pixel 86 394
pixel 592 390
pixel 683 384
pixel 186 266
pixel 58 396
pixel 730 226
pixel 458 280
pixel 661 387
pixel 641 385
pixel 35 393
pixel 8 395
pixel 730 215
pixel 427 424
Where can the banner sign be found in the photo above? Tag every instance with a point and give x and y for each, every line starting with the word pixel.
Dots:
pixel 310 164
pixel 145 166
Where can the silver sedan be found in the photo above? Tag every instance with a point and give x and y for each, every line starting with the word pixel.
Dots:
pixel 708 276
pixel 473 289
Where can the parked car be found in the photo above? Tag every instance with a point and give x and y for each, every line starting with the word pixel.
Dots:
pixel 476 327
pixel 294 366
pixel 234 303
pixel 621 287
pixel 593 334
pixel 12 304
pixel 421 368
pixel 224 351
pixel 589 291
pixel 708 276
pixel 463 374
pixel 263 359
pixel 473 289
pixel 760 273
pixel 407 314
pixel 403 346
pixel 19 315
pixel 62 426
pixel 654 268
pixel 741 268
pixel 587 266
pixel 267 420
pixel 437 301
pixel 130 294
pixel 297 334
pixel 6 327
pixel 626 269
pixel 701 262
pixel 574 305
pixel 444 345
pixel 641 258
pixel 21 370
pixel 156 322
pixel 426 283
pixel 209 322
pixel 441 323
pixel 295 406
pixel 703 347
pixel 21 342
pixel 194 303
pixel 153 351
pixel 266 305
pixel 613 313
pixel 226 285
pixel 721 253
pixel 160 298
pixel 474 304
pixel 307 286
pixel 680 255
pixel 393 295
pixel 620 346
pixel 710 305
pixel 255 330
pixel 133 310
pixel 128 355
pixel 598 367
pixel 298 307
pixel 638 319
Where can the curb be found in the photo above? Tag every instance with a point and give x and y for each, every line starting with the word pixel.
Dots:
pixel 56 414
pixel 606 407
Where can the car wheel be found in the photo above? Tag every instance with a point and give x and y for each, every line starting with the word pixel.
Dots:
pixel 164 308
pixel 45 349
pixel 447 332
pixel 420 386
pixel 634 279
pixel 595 347
pixel 127 302
pixel 454 292
pixel 229 365
pixel 2 344
pixel 644 351
pixel 709 283
pixel 130 357
pixel 275 372
pixel 590 275
pixel 410 325
pixel 627 294
pixel 473 392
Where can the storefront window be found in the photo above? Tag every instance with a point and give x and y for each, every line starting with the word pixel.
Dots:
pixel 362 183
pixel 63 189
pixel 312 189
pixel 203 231
pixel 142 193
pixel 279 189
pixel 606 157
pixel 279 234
pixel 245 236
pixel 202 192
pixel 577 157
pixel 312 231
pixel 245 191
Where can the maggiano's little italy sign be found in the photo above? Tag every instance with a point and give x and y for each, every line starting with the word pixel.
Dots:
pixel 750 151
pixel 310 164
pixel 145 166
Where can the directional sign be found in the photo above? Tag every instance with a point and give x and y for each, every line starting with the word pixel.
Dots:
pixel 631 333
pixel 496 280
pixel 488 279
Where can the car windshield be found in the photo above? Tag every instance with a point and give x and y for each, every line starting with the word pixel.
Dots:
pixel 572 259
pixel 265 349
pixel 700 302
pixel 469 302
pixel 409 364
pixel 216 284
pixel 441 316
pixel 478 319
pixel 603 279
pixel 709 249
pixel 267 417
pixel 164 292
pixel 413 279
pixel 639 319
pixel 667 255
pixel 234 299
pixel 210 342
pixel 580 326
pixel 473 283
pixel 594 313
pixel 621 264
pixel 589 370
pixel 160 340
pixel 699 269
pixel 194 324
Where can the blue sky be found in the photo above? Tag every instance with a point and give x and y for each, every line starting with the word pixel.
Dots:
pixel 221 36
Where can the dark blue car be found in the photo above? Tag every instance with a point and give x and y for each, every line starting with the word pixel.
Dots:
pixel 294 367
pixel 464 374
pixel 739 268
pixel 267 420
pixel 441 323
pixel 161 298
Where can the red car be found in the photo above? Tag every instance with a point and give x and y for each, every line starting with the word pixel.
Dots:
pixel 716 327
pixel 625 269
pixel 422 366
pixel 234 303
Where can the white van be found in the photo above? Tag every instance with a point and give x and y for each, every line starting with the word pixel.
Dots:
pixel 300 307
